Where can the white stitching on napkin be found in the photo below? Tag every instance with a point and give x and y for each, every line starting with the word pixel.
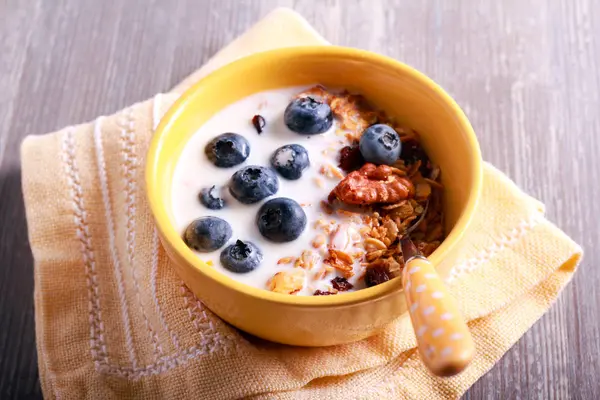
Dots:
pixel 211 338
pixel 129 175
pixel 156 108
pixel 97 345
pixel 101 165
pixel 153 275
pixel 163 364
pixel 504 241
pixel 211 341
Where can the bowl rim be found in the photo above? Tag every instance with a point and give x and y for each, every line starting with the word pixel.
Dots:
pixel 169 233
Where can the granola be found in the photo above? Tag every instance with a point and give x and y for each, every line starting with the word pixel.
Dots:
pixel 390 198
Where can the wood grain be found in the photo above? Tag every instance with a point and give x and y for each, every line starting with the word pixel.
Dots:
pixel 524 71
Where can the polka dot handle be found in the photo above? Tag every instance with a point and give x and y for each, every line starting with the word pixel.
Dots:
pixel 444 341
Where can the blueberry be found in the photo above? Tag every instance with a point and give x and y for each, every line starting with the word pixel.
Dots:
pixel 207 234
pixel 281 220
pixel 380 144
pixel 211 198
pixel 290 160
pixel 308 116
pixel 227 150
pixel 253 183
pixel 241 257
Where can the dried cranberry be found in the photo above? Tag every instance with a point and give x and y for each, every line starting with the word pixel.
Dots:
pixel 376 275
pixel 341 284
pixel 322 293
pixel 259 123
pixel 350 158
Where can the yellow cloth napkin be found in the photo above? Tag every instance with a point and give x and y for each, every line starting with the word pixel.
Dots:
pixel 114 321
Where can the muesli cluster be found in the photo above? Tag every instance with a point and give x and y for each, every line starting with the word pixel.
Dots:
pixel 378 181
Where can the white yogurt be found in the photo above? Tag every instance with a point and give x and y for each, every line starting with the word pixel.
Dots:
pixel 195 172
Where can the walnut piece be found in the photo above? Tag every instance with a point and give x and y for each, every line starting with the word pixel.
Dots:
pixel 372 184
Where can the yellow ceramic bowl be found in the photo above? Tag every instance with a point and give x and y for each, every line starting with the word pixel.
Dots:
pixel 396 88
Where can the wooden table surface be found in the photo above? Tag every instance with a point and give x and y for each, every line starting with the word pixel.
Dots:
pixel 525 72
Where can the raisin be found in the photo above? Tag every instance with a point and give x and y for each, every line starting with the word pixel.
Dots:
pixel 341 284
pixel 350 158
pixel 259 123
pixel 376 275
pixel 322 293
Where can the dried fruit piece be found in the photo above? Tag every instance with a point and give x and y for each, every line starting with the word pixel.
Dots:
pixel 287 282
pixel 259 123
pixel 372 184
pixel 350 158
pixel 341 284
pixel 375 276
pixel 322 293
